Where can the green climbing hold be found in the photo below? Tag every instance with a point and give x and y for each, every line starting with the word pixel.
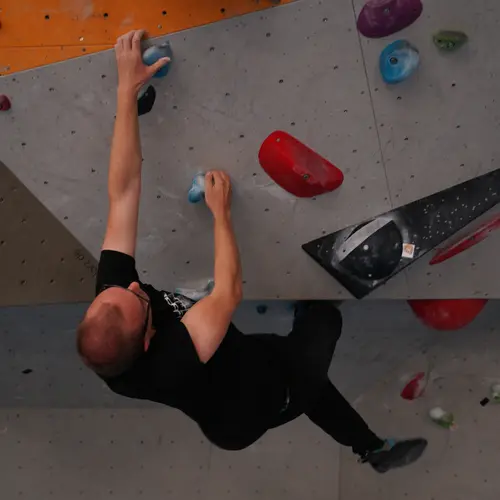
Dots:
pixel 449 41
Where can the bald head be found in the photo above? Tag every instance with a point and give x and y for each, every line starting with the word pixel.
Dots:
pixel 109 339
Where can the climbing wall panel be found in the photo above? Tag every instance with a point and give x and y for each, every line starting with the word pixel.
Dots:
pixel 440 127
pixel 231 84
pixel 458 464
pixel 40 262
pixel 128 454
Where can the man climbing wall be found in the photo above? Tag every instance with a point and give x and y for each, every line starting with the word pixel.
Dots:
pixel 156 345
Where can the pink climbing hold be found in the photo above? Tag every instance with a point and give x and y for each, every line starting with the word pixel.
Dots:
pixel 447 314
pixel 4 103
pixel 380 18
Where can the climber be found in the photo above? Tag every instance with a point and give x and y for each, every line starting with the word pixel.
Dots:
pixel 159 346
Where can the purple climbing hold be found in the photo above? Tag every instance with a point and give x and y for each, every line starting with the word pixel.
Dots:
pixel 380 18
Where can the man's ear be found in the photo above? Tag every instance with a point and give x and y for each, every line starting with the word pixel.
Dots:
pixel 146 344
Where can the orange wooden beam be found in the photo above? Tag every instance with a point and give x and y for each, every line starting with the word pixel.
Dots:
pixel 38 32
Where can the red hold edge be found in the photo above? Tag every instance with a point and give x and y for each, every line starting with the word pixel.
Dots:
pixel 296 167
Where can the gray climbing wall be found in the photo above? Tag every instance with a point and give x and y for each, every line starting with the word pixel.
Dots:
pixel 40 261
pixel 440 128
pixel 458 464
pixel 301 68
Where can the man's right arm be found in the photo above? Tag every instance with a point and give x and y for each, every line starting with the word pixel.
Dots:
pixel 208 320
pixel 124 184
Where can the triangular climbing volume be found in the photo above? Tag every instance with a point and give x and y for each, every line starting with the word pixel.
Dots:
pixel 364 256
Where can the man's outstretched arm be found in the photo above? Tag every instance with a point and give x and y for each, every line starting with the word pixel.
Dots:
pixel 208 320
pixel 124 179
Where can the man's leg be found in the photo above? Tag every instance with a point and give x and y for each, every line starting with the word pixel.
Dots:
pixel 340 420
pixel 307 352
pixel 310 348
pixel 337 417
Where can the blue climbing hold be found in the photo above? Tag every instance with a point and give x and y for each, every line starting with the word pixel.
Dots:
pixel 197 191
pixel 398 61
pixel 152 54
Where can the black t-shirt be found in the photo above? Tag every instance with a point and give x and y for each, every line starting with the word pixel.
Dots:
pixel 235 397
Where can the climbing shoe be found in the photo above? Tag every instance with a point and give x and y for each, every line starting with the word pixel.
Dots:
pixel 395 454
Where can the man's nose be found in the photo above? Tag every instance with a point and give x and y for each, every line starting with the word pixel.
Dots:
pixel 134 287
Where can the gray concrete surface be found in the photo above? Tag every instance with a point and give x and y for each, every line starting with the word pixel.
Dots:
pixel 63 435
pixel 301 68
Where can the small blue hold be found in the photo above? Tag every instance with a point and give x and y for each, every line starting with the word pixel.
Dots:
pixel 197 191
pixel 398 61
pixel 152 54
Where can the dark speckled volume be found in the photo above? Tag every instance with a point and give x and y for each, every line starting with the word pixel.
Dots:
pixel 364 256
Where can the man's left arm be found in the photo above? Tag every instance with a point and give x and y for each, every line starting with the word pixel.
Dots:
pixel 124 178
pixel 208 320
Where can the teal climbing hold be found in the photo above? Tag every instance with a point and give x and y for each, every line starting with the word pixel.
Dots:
pixel 197 191
pixel 449 41
pixel 156 52
pixel 398 61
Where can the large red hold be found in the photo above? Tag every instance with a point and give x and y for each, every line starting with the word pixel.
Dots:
pixel 297 168
pixel 447 314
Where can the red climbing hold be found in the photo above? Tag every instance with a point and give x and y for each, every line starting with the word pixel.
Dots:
pixel 447 314
pixel 297 168
pixel 415 387
pixel 478 235
pixel 4 103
